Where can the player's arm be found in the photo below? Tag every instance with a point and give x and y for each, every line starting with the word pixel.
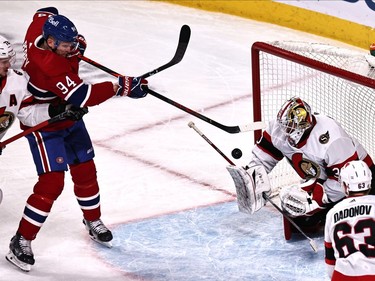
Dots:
pixel 31 114
pixel 72 89
pixel 264 152
pixel 330 259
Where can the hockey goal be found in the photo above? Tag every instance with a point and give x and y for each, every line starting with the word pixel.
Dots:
pixel 334 81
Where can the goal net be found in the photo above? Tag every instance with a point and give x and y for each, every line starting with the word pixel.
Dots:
pixel 334 81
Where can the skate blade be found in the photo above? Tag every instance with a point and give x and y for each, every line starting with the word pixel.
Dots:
pixel 107 244
pixel 20 264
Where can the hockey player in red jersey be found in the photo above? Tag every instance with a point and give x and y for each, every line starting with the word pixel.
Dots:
pixel 52 45
pixel 349 234
pixel 317 147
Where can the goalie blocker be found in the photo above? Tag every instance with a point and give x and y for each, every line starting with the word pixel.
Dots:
pixel 250 183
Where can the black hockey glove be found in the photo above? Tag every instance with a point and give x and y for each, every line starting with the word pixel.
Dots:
pixel 71 112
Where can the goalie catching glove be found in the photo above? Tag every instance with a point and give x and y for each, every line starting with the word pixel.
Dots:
pixel 250 184
pixel 302 200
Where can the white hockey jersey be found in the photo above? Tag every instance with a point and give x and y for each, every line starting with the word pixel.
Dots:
pixel 327 148
pixel 13 91
pixel 349 239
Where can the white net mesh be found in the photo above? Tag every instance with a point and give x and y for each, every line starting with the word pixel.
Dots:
pixel 348 102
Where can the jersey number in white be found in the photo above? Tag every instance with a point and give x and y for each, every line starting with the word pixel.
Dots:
pixel 64 88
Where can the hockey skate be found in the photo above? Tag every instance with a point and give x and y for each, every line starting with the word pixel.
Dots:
pixel 20 253
pixel 99 232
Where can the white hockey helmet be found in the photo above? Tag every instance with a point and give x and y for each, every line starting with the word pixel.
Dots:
pixel 6 50
pixel 355 176
pixel 295 118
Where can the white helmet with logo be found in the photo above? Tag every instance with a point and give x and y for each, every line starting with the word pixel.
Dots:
pixel 355 176
pixel 6 50
pixel 294 119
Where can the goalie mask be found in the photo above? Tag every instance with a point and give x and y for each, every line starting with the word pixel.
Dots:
pixel 295 119
pixel 6 50
pixel 355 176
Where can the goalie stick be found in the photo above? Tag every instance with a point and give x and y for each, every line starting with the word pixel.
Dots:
pixel 265 196
pixel 180 52
pixel 312 242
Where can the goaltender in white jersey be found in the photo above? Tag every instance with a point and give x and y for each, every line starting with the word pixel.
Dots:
pixel 316 146
pixel 349 235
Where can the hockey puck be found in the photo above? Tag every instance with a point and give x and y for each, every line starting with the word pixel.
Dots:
pixel 236 153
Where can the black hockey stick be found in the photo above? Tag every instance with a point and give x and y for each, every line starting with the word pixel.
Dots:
pixel 229 129
pixel 180 52
pixel 183 42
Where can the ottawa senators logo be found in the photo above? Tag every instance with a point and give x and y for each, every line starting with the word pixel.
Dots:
pixel 6 119
pixel 309 168
pixel 323 139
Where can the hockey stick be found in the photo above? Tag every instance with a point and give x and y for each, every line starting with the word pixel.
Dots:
pixel 229 129
pixel 180 52
pixel 265 196
pixel 192 125
pixel 41 125
pixel 312 242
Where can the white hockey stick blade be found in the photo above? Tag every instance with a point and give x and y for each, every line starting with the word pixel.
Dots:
pixel 259 125
pixel 1 195
pixel 313 245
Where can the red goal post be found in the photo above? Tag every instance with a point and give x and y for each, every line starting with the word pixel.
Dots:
pixel 335 81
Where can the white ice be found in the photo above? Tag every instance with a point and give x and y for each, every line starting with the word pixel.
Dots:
pixel 149 162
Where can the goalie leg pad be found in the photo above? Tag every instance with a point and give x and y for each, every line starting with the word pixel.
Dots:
pixel 250 184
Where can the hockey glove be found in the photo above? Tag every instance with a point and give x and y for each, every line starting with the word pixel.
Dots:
pixel 79 47
pixel 82 44
pixel 71 112
pixel 298 202
pixel 132 87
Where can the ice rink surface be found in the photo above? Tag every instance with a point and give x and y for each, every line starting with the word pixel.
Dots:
pixel 165 192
